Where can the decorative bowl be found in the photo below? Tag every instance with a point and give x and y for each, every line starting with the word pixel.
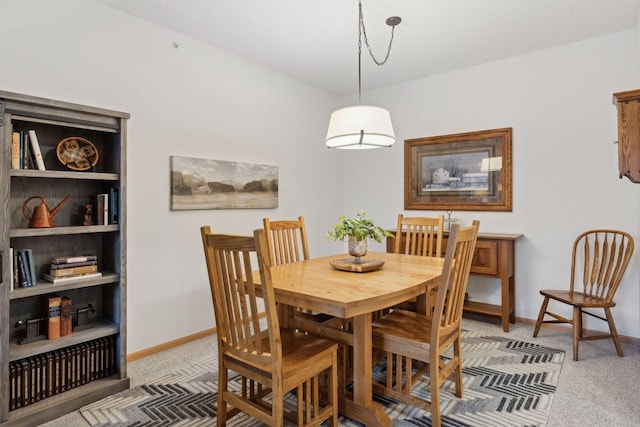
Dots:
pixel 77 153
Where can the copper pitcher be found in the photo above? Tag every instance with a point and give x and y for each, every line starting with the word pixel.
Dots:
pixel 42 217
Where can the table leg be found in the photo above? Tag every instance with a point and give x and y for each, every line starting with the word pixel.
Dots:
pixel 363 409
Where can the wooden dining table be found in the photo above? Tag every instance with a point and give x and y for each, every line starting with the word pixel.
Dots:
pixel 316 286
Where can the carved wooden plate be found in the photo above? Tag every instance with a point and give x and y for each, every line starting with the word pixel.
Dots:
pixel 77 153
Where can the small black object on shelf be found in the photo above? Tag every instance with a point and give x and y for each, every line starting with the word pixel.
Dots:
pixel 82 318
pixel 33 330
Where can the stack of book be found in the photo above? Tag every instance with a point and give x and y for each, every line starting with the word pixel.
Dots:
pixel 23 269
pixel 44 375
pixel 25 151
pixel 68 268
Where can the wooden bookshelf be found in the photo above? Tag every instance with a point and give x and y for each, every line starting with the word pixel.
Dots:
pixel 53 121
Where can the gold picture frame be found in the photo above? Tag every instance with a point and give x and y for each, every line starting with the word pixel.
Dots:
pixel 465 171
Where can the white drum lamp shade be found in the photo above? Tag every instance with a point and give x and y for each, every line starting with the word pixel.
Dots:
pixel 360 127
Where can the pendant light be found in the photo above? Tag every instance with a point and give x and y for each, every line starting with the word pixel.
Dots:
pixel 363 126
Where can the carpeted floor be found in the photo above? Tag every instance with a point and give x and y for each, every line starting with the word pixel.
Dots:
pixel 506 382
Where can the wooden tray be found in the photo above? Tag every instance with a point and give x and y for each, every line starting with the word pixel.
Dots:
pixel 348 264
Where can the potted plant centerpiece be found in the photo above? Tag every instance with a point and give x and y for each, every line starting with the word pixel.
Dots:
pixel 358 230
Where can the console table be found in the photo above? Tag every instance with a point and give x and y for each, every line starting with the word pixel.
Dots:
pixel 494 256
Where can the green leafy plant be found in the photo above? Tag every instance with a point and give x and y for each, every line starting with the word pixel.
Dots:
pixel 361 227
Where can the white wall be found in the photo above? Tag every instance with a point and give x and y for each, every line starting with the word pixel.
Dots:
pixel 565 176
pixel 193 101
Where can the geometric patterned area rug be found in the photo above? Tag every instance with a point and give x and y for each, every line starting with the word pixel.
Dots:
pixel 506 383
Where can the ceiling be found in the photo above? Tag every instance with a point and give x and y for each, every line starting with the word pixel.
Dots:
pixel 316 41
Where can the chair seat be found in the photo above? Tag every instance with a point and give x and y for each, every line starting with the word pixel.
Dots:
pixel 299 351
pixel 576 298
pixel 403 332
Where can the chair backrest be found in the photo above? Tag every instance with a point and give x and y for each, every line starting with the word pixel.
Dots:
pixel 453 282
pixel 235 300
pixel 287 240
pixel 423 235
pixel 599 260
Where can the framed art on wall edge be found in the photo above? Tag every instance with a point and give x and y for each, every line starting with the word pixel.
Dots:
pixel 465 171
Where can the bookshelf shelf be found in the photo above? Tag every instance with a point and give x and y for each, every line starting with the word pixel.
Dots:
pixel 34 173
pixel 59 231
pixel 101 300
pixel 44 287
pixel 101 328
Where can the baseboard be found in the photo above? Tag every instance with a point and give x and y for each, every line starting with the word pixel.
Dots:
pixel 174 343
pixel 169 344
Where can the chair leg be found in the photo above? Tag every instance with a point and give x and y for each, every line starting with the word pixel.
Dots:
pixel 577 330
pixel 457 345
pixel 435 393
pixel 333 391
pixel 614 331
pixel 543 310
pixel 277 408
pixel 221 413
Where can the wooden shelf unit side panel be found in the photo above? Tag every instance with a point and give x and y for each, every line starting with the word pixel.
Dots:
pixel 628 106
pixel 54 121
pixel 5 285
pixel 120 249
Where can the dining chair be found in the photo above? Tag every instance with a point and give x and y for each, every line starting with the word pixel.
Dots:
pixel 598 262
pixel 406 336
pixel 287 240
pixel 422 236
pixel 270 360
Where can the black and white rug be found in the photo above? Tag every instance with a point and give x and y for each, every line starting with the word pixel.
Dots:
pixel 506 383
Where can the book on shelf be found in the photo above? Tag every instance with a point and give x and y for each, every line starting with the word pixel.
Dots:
pixel 22 280
pixel 85 276
pixel 113 206
pixel 66 317
pixel 23 269
pixel 11 269
pixel 100 208
pixel 24 261
pixel 14 268
pixel 25 151
pixel 32 266
pixel 15 150
pixel 72 271
pixel 35 150
pixel 26 383
pixel 53 317
pixel 73 259
pixel 72 264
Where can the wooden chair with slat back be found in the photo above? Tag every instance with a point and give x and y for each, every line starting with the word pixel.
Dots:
pixel 270 360
pixel 598 263
pixel 287 240
pixel 422 236
pixel 406 336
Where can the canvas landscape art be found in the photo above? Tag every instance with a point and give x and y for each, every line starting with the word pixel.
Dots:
pixel 218 184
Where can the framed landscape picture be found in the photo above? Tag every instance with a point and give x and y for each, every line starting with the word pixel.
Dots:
pixel 465 171
pixel 217 184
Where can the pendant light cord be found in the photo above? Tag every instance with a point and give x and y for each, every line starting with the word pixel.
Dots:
pixel 362 31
